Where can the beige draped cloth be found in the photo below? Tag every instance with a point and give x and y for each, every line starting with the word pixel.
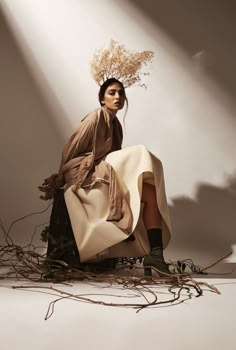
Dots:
pixel 103 186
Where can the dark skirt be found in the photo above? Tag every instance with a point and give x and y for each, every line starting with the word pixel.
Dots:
pixel 61 241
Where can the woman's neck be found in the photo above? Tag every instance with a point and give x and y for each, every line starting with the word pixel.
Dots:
pixel 111 113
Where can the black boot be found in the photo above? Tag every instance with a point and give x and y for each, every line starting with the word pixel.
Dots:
pixel 155 258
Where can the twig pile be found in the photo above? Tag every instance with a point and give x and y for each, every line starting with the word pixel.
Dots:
pixel 28 264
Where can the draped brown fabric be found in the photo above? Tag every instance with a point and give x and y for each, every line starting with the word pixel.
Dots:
pixel 83 162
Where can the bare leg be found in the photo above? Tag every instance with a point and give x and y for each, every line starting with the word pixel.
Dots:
pixel 151 213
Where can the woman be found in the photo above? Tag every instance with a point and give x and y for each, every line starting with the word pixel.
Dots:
pixel 111 193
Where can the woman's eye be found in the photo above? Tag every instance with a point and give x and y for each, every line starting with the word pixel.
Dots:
pixel 112 93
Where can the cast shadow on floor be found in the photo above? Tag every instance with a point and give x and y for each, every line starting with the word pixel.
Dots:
pixel 204 228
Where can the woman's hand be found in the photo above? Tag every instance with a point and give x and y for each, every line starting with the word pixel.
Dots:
pixel 49 186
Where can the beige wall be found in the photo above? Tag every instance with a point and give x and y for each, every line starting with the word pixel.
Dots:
pixel 30 141
pixel 186 116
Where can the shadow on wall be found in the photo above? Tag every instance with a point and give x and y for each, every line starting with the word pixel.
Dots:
pixel 30 144
pixel 205 228
pixel 204 29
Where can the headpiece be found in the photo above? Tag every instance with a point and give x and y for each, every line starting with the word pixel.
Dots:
pixel 120 63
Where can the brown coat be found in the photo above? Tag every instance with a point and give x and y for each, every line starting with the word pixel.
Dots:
pixel 83 162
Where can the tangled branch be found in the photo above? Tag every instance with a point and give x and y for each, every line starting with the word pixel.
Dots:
pixel 29 264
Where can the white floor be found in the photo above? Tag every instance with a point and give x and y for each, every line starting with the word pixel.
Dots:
pixel 207 322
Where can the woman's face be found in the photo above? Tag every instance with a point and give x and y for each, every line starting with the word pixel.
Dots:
pixel 114 97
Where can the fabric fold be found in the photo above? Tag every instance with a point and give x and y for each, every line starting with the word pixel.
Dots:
pixel 83 162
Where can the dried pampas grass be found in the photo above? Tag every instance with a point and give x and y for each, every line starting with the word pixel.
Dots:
pixel 118 62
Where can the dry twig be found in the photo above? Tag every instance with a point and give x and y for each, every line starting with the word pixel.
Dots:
pixel 26 264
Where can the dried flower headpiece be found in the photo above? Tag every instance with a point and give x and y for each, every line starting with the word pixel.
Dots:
pixel 120 63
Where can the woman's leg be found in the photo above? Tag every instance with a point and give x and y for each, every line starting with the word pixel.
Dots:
pixel 152 222
pixel 151 213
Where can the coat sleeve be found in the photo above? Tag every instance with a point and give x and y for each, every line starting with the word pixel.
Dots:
pixel 80 143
